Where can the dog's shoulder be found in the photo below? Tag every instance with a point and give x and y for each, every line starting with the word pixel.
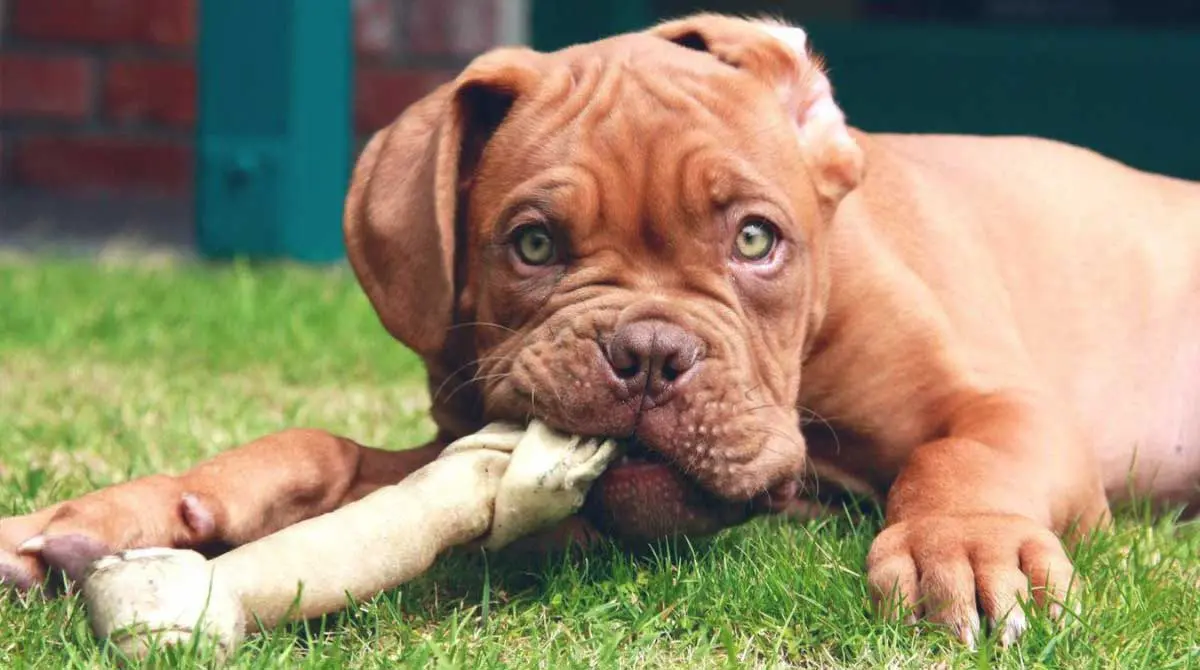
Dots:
pixel 1012 169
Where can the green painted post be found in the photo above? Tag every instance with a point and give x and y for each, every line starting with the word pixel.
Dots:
pixel 274 137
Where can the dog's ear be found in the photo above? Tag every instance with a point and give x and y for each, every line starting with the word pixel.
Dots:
pixel 778 54
pixel 404 211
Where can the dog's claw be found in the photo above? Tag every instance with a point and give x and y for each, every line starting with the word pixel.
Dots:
pixel 1057 611
pixel 1014 626
pixel 33 545
pixel 967 633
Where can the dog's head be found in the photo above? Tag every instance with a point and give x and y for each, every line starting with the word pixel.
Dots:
pixel 622 238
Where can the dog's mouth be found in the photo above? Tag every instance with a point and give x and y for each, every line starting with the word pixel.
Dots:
pixel 644 496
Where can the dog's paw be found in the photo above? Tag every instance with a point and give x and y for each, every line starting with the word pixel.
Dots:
pixel 66 538
pixel 18 570
pixel 950 569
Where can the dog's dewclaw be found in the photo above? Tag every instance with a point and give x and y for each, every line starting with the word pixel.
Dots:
pixel 495 486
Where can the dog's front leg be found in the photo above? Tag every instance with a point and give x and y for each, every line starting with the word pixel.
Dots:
pixel 974 517
pixel 234 498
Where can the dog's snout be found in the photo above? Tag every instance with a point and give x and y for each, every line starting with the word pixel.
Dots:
pixel 653 357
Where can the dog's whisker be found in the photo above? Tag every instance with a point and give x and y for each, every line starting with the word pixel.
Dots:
pixel 473 380
pixel 837 443
pixel 558 395
pixel 759 408
pixel 486 324
pixel 450 377
pixel 768 448
pixel 749 392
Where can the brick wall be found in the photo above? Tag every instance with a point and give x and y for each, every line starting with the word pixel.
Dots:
pixel 100 95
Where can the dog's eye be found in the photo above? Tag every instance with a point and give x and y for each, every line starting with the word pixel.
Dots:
pixel 534 245
pixel 755 240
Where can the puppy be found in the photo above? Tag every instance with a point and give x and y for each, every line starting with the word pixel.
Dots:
pixel 673 237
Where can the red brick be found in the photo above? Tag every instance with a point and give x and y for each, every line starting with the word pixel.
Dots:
pixel 380 94
pixel 45 86
pixel 101 164
pixel 451 27
pixel 158 22
pixel 375 28
pixel 157 91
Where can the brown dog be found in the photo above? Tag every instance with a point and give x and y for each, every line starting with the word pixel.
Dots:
pixel 673 237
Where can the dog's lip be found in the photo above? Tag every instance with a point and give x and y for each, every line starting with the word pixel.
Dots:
pixel 637 455
pixel 641 460
pixel 774 498
pixel 639 501
pixel 645 495
pixel 634 451
pixel 636 462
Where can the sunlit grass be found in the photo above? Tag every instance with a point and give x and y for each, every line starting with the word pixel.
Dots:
pixel 113 372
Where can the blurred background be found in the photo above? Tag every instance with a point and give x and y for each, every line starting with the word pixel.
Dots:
pixel 228 128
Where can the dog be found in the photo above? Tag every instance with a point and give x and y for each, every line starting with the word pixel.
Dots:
pixel 673 237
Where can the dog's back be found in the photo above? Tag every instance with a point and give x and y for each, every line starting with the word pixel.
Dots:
pixel 1100 269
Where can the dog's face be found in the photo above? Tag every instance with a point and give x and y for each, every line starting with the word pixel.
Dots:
pixel 634 250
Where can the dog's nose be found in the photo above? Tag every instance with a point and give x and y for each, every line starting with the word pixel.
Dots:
pixel 653 357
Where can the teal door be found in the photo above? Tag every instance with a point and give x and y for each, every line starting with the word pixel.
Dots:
pixel 273 141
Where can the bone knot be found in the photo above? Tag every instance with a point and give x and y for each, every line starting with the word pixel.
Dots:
pixel 547 478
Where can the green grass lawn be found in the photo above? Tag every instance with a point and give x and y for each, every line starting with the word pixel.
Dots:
pixel 110 372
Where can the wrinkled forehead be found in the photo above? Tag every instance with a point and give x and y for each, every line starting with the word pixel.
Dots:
pixel 638 123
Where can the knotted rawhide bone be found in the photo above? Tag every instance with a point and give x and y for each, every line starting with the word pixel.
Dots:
pixel 494 486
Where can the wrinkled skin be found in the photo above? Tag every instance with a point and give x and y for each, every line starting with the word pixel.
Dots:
pixel 907 307
pixel 655 242
pixel 645 219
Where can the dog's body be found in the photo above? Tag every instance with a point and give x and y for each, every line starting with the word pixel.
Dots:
pixel 1033 263
pixel 673 237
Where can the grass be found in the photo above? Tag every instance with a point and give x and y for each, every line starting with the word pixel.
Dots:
pixel 109 372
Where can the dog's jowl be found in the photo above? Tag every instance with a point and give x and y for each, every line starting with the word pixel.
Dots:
pixel 675 238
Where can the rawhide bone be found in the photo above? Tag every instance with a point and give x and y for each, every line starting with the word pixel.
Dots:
pixel 494 486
